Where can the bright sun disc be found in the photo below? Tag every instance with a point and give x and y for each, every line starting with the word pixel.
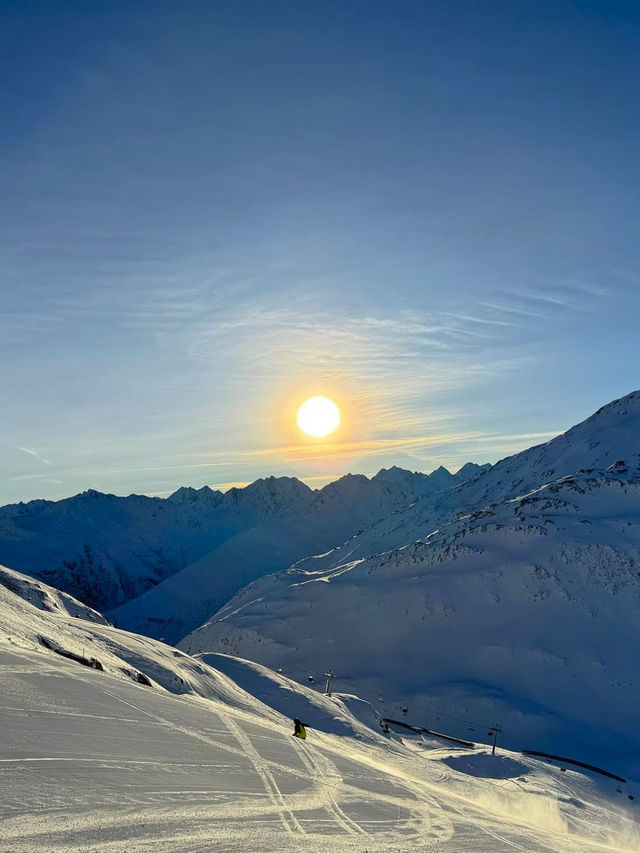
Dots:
pixel 318 416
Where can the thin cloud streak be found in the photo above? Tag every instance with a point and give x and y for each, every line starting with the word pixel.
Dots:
pixel 32 453
pixel 372 447
pixel 511 309
pixel 482 320
pixel 234 484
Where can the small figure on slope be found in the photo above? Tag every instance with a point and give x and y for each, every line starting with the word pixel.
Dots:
pixel 299 729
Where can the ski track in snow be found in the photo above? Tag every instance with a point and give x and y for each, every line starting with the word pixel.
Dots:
pixel 321 769
pixel 287 815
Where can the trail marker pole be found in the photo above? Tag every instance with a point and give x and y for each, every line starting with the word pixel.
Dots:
pixel 327 687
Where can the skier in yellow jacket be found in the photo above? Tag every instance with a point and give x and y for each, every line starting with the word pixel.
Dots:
pixel 299 729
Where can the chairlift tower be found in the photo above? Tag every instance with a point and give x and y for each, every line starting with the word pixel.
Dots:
pixel 329 676
pixel 495 731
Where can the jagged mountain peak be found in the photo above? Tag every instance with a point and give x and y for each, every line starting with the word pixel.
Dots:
pixel 441 470
pixel 92 494
pixel 346 483
pixel 187 494
pixel 91 499
pixel 442 477
pixel 470 470
pixel 401 477
pixel 272 483
pixel 272 494
pixel 610 434
pixel 395 472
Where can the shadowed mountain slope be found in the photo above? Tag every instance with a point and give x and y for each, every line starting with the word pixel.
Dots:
pixel 182 602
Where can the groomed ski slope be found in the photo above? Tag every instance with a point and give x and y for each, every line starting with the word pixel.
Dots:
pixel 93 762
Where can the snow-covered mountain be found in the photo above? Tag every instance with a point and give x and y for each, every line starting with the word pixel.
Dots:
pixel 106 550
pixel 111 741
pixel 514 598
pixel 341 509
pixel 612 433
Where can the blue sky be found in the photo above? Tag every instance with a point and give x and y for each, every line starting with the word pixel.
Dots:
pixel 427 210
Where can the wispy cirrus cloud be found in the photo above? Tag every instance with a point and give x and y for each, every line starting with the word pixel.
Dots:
pixel 502 308
pixel 531 296
pixel 33 453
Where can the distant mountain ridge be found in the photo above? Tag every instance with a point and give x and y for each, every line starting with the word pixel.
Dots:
pixel 106 550
pixel 340 510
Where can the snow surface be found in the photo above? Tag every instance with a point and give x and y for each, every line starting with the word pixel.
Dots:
pixel 94 761
pixel 47 598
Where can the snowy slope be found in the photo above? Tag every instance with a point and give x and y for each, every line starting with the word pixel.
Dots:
pixel 47 598
pixel 184 601
pixel 525 611
pixel 91 760
pixel 35 617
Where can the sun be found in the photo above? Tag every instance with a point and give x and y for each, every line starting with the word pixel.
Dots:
pixel 318 416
